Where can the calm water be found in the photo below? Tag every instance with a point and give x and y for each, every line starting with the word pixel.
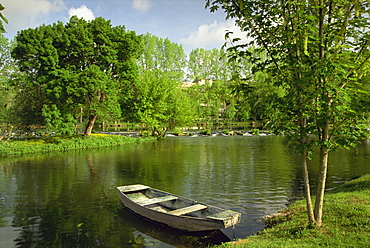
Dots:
pixel 69 199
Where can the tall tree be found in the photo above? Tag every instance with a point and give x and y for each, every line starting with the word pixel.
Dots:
pixel 7 68
pixel 79 64
pixel 163 55
pixel 317 50
pixel 160 103
pixel 8 72
pixel 206 64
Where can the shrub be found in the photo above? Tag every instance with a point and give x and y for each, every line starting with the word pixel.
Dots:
pixel 205 132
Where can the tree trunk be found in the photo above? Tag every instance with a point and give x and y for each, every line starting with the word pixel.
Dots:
pixel 306 179
pixel 90 124
pixel 321 185
pixel 307 190
pixel 324 155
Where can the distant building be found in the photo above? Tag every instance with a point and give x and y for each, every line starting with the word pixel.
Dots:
pixel 197 82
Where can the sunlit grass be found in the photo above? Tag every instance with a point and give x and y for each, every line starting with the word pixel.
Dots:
pixel 346 222
pixel 63 143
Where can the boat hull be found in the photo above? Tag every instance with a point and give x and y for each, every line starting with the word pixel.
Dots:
pixel 182 222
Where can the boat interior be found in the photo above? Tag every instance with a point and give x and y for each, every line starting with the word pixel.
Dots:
pixel 174 205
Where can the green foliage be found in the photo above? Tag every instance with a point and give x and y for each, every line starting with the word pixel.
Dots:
pixel 256 131
pixel 225 131
pixel 160 104
pixel 319 65
pixel 208 65
pixel 63 143
pixel 8 70
pixel 163 55
pixel 63 125
pixel 177 131
pixel 3 19
pixel 205 132
pixel 228 86
pixel 318 52
pixel 26 109
pixel 78 65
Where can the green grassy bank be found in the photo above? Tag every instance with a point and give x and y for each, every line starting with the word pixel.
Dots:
pixel 346 222
pixel 64 143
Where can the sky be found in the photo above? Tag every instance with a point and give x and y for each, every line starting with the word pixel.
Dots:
pixel 185 22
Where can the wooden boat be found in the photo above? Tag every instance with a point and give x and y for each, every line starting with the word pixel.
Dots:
pixel 174 211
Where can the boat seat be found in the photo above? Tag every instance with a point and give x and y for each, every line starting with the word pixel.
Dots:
pixel 156 200
pixel 132 188
pixel 189 209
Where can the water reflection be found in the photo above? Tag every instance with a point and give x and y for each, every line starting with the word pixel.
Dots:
pixel 69 199
pixel 145 229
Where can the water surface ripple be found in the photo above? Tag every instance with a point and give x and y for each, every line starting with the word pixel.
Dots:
pixel 69 199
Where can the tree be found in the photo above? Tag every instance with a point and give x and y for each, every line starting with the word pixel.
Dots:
pixel 78 65
pixel 253 92
pixel 208 65
pixel 157 99
pixel 228 88
pixel 160 103
pixel 7 72
pixel 163 55
pixel 211 76
pixel 7 68
pixel 316 51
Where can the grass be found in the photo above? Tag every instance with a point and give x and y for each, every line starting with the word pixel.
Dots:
pixel 64 143
pixel 346 222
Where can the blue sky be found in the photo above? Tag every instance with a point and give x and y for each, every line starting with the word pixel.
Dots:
pixel 185 22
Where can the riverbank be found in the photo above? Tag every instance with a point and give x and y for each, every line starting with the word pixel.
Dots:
pixel 346 222
pixel 64 143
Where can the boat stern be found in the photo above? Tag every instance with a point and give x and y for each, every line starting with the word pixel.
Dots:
pixel 228 217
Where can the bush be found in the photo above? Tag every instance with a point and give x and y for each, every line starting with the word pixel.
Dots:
pixel 205 132
pixel 256 131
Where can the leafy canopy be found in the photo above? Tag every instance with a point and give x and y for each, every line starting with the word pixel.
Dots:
pixel 318 51
pixel 78 66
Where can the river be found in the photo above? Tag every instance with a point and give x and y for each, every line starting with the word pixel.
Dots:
pixel 68 199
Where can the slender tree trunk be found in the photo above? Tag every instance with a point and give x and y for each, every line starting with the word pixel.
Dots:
pixel 324 155
pixel 306 179
pixel 9 134
pixel 81 114
pixel 4 133
pixel 90 124
pixel 321 185
pixel 307 190
pixel 324 136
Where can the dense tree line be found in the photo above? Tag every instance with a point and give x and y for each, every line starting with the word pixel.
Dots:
pixel 304 72
pixel 64 74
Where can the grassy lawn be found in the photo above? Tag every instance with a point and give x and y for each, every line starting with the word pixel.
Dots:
pixel 346 222
pixel 63 143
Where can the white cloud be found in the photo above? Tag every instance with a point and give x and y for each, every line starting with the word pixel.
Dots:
pixel 82 12
pixel 141 5
pixel 212 35
pixel 23 14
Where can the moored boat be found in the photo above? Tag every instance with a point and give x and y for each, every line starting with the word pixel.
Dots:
pixel 175 211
